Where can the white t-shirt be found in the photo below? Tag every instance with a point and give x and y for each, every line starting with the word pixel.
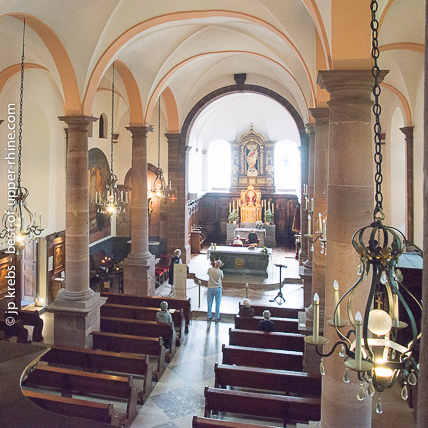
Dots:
pixel 215 276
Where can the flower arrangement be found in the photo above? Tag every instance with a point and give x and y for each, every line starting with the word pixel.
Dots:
pixel 259 224
pixel 264 252
pixel 233 216
pixel 268 216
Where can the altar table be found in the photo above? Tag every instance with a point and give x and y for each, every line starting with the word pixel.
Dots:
pixel 241 260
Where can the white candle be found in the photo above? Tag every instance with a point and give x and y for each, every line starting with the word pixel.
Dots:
pixel 324 229
pixel 309 224
pixel 35 219
pixel 306 202
pixel 233 205
pixel 121 195
pixel 96 197
pixel 40 220
pixel 316 329
pixel 358 328
pixel 312 204
pixel 395 319
pixel 126 197
pixel 336 303
pixel 319 230
pixel 273 208
pixel 230 206
pixel 170 187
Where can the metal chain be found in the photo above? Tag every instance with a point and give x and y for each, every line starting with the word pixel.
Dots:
pixel 377 111
pixel 21 105
pixel 112 122
pixel 159 126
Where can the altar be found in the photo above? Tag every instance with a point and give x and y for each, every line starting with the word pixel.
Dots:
pixel 242 260
pixel 266 234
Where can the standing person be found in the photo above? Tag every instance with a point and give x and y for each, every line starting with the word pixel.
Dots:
pixel 214 290
pixel 174 260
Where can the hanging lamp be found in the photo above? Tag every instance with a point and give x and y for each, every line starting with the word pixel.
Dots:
pixel 19 223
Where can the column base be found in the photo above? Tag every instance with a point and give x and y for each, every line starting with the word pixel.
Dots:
pixel 306 275
pixel 139 275
pixel 75 319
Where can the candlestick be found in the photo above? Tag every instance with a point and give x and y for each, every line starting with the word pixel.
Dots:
pixel 309 224
pixel 358 327
pixel 336 303
pixel 316 328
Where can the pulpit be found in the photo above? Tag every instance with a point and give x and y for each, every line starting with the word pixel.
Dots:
pixel 251 206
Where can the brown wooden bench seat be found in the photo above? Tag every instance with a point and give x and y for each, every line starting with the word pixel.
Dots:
pixel 16 329
pixel 142 328
pixel 101 412
pixel 266 339
pixel 264 358
pixel 145 313
pixel 289 409
pixel 32 318
pixel 288 382
pixel 115 342
pixel 285 325
pixel 103 361
pixel 275 311
pixel 69 381
pixel 199 422
pixel 152 302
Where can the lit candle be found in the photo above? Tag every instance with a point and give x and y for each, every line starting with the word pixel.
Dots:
pixel 312 204
pixel 395 319
pixel 309 224
pixel 316 328
pixel 336 303
pixel 358 327
pixel 324 229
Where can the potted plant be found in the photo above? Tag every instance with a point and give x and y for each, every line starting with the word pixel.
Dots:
pixel 268 216
pixel 259 224
pixel 233 217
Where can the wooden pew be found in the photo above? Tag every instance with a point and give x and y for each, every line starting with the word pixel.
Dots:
pixel 199 422
pixel 288 382
pixel 114 342
pixel 100 412
pixel 32 318
pixel 16 329
pixel 153 301
pixel 285 325
pixel 144 313
pixel 289 409
pixel 275 311
pixel 268 340
pixel 264 358
pixel 141 328
pixel 94 360
pixel 69 382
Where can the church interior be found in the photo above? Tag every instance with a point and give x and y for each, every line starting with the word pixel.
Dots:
pixel 283 138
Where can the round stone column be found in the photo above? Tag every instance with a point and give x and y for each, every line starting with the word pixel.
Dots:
pixel 350 206
pixel 139 266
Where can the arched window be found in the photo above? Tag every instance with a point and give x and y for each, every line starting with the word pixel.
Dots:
pixel 219 168
pixel 287 167
pixel 103 126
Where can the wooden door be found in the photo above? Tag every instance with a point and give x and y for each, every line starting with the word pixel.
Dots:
pixel 29 272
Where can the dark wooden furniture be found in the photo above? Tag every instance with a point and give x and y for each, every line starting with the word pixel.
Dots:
pixel 16 329
pixel 198 237
pixel 268 340
pixel 288 382
pixel 154 302
pixel 145 313
pixel 199 422
pixel 275 311
pixel 114 342
pixel 264 358
pixel 100 412
pixel 289 409
pixel 102 361
pixel 285 325
pixel 32 318
pixel 69 381
pixel 142 328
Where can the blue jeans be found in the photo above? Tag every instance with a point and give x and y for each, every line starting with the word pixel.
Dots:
pixel 211 293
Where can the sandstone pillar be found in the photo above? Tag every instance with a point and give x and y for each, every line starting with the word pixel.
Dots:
pixel 304 153
pixel 408 134
pixel 178 227
pixel 76 308
pixel 350 206
pixel 139 266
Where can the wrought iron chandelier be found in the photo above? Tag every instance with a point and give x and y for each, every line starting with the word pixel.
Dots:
pixel 112 201
pixel 158 188
pixel 19 223
pixel 375 353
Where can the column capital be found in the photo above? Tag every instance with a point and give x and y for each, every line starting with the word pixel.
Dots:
pixel 408 132
pixel 320 114
pixel 138 130
pixel 310 129
pixel 76 122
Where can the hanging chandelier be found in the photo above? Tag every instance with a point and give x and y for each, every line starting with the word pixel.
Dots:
pixel 112 201
pixel 19 223
pixel 375 354
pixel 158 188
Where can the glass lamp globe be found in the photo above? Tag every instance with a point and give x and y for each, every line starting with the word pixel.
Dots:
pixel 380 322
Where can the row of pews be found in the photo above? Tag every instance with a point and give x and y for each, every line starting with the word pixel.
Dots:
pixel 118 368
pixel 261 374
